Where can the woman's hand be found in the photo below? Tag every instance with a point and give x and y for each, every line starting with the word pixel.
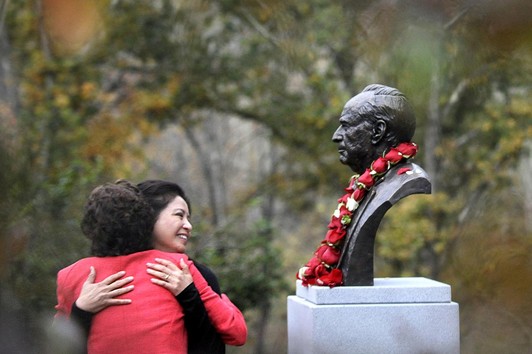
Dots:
pixel 169 276
pixel 94 297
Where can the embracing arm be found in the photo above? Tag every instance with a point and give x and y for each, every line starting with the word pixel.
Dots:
pixel 202 336
pixel 223 314
pixel 95 297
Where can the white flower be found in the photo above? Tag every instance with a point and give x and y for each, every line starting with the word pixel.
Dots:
pixel 302 271
pixel 336 213
pixel 352 204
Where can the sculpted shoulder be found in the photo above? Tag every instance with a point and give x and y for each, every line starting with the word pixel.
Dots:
pixel 399 183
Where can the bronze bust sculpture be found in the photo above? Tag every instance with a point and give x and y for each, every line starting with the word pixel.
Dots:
pixel 371 122
pixel 375 140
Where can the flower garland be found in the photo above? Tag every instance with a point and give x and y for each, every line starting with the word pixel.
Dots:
pixel 321 269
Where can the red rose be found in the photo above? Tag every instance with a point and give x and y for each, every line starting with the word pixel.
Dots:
pixel 333 278
pixel 344 211
pixel 359 194
pixel 407 149
pixel 309 281
pixel 366 179
pixel 335 235
pixel 352 185
pixel 343 199
pixel 335 223
pixel 330 255
pixel 312 263
pixel 320 250
pixel 320 271
pixel 393 156
pixel 350 189
pixel 380 165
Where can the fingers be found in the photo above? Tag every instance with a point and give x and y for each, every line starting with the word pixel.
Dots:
pixel 121 291
pixel 112 282
pixel 160 282
pixel 92 275
pixel 121 283
pixel 166 263
pixel 114 277
pixel 184 266
pixel 157 273
pixel 160 270
pixel 112 302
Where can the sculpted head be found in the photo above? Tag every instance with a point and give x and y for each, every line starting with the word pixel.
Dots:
pixel 376 119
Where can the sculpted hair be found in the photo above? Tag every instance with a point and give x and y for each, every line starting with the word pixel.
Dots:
pixel 390 105
pixel 159 194
pixel 117 220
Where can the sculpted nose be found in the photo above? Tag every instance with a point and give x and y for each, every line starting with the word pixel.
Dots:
pixel 336 136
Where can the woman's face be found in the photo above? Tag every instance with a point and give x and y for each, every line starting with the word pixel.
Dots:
pixel 172 228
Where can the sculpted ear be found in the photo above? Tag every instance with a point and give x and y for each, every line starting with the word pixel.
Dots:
pixel 379 131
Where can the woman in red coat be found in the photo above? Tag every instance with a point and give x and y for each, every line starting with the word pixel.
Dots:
pixel 211 320
pixel 119 224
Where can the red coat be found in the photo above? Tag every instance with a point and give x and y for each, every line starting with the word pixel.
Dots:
pixel 153 322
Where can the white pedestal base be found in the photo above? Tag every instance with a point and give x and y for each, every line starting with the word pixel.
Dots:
pixel 396 315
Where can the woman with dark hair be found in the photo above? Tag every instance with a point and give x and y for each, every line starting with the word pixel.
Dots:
pixel 170 233
pixel 119 222
pixel 208 329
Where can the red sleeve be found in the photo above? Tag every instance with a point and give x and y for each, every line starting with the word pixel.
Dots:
pixel 64 296
pixel 224 315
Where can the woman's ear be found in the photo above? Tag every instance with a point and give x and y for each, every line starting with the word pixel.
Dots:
pixel 379 131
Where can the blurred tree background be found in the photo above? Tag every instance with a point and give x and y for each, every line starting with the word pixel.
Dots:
pixel 237 101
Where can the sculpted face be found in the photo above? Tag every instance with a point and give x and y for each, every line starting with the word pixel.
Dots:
pixel 354 135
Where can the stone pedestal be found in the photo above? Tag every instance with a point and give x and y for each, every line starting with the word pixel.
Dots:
pixel 396 315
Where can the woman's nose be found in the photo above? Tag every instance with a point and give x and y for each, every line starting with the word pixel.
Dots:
pixel 187 225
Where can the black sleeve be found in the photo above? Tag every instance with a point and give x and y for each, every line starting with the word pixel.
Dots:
pixel 209 277
pixel 202 336
pixel 193 308
pixel 82 318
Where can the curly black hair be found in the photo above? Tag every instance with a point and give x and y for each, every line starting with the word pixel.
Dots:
pixel 117 220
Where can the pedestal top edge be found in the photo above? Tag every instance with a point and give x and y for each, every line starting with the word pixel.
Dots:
pixel 393 290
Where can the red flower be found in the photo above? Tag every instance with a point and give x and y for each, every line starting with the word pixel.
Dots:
pixel 403 170
pixel 343 199
pixel 344 211
pixel 380 165
pixel 309 281
pixel 407 149
pixel 366 179
pixel 352 185
pixel 313 263
pixel 319 251
pixel 350 189
pixel 335 223
pixel 335 235
pixel 333 278
pixel 320 271
pixel 330 255
pixel 393 156
pixel 359 194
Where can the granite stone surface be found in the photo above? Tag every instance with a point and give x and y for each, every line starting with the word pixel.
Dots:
pixel 396 315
